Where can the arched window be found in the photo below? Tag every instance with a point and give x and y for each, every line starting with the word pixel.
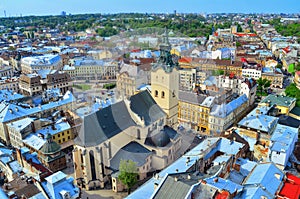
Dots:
pixel 92 163
pixel 156 93
pixel 163 94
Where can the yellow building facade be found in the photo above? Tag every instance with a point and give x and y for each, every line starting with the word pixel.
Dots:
pixel 63 136
pixel 195 114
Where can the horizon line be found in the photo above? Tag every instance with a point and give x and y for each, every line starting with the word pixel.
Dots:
pixel 165 13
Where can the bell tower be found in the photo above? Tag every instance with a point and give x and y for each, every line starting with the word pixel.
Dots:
pixel 165 82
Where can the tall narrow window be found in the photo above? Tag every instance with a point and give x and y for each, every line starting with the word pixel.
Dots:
pixel 138 136
pixel 162 94
pixel 156 93
pixel 81 156
pixel 92 163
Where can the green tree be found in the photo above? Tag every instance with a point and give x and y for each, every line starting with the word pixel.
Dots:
pixel 239 28
pixel 217 72
pixel 128 173
pixel 238 44
pixel 263 84
pixel 293 91
pixel 297 67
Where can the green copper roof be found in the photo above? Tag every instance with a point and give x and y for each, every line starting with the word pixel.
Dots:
pixel 279 100
pixel 50 147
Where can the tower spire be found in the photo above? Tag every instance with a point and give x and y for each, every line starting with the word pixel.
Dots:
pixel 165 48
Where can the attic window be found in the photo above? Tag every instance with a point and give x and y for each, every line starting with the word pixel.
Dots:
pixel 277 176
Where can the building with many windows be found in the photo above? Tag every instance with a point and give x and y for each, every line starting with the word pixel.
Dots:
pixel 36 83
pixel 190 78
pixel 43 62
pixel 275 78
pixel 222 116
pixel 11 84
pixel 12 112
pixel 194 109
pixel 90 69
pixel 129 79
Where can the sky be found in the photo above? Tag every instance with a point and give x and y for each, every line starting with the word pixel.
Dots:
pixel 55 7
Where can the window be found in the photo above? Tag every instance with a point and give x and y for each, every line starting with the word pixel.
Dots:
pixel 277 152
pixel 64 139
pixel 156 93
pixel 138 136
pixel 58 135
pixel 63 134
pixel 69 137
pixel 92 164
pixel 162 94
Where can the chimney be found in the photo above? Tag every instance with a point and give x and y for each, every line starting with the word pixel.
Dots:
pixel 155 185
pixel 53 127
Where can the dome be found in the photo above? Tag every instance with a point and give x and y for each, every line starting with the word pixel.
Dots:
pixel 160 139
pixel 50 147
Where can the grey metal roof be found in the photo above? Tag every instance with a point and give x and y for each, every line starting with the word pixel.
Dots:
pixel 191 97
pixel 145 107
pixel 132 151
pixel 161 138
pixel 172 189
pixel 104 124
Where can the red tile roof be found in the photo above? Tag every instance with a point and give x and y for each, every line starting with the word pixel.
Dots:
pixel 243 60
pixel 245 34
pixel 185 60
pixel 291 188
pixel 286 49
pixel 222 195
pixel 298 73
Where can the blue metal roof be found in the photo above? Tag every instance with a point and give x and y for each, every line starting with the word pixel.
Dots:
pixel 259 122
pixel 284 138
pixel 57 183
pixel 222 184
pixel 267 175
pixel 223 110
pixel 8 96
pixel 2 194
pixel 10 112
pixel 250 192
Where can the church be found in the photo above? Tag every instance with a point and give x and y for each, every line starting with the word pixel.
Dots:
pixel 137 129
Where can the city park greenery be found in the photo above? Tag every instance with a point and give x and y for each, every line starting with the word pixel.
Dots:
pixel 191 25
pixel 83 87
pixel 109 85
pixel 105 25
pixel 290 29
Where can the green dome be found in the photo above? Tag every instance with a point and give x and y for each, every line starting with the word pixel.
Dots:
pixel 50 147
